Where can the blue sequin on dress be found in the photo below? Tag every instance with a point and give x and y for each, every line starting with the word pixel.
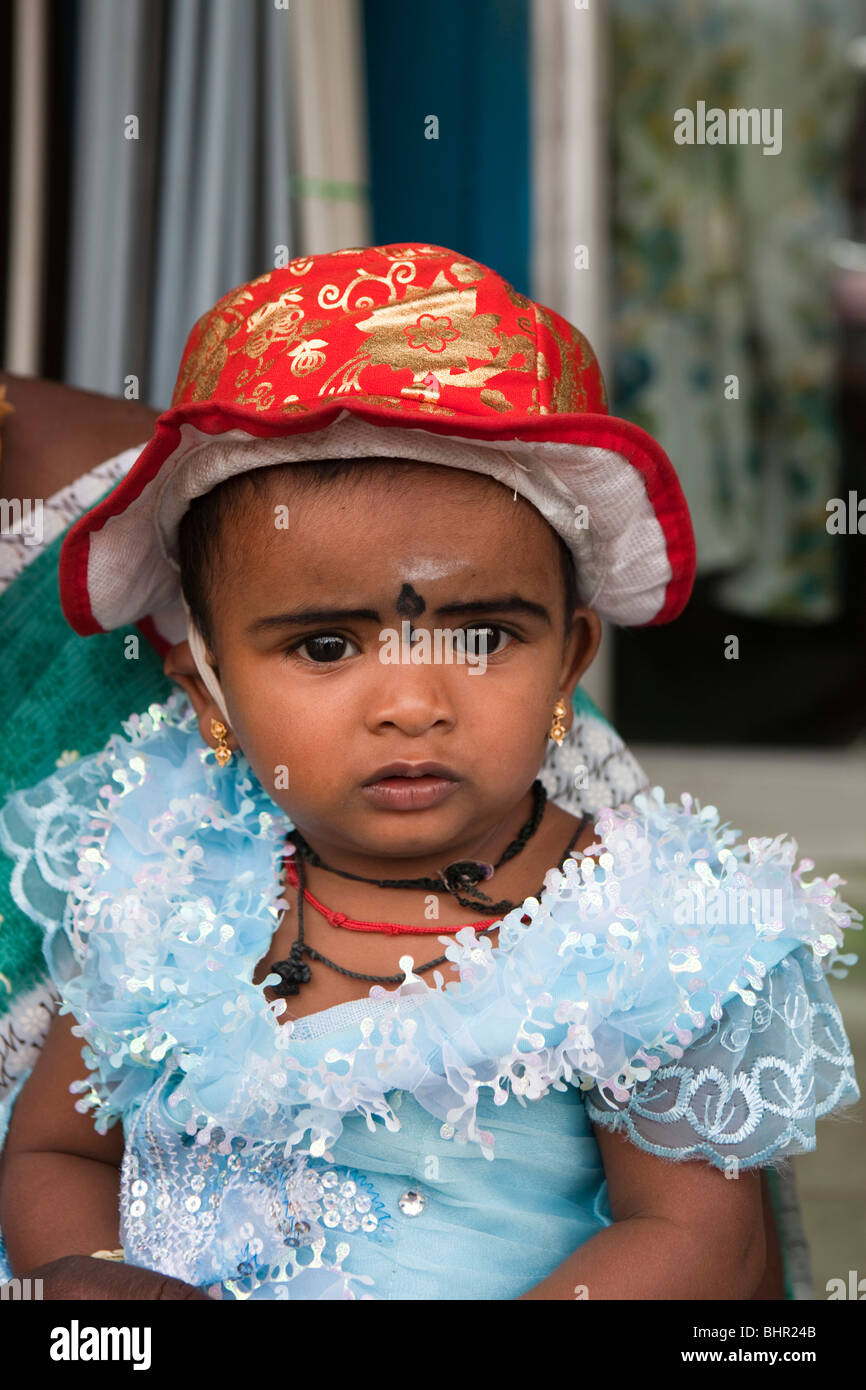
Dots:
pixel 424 1142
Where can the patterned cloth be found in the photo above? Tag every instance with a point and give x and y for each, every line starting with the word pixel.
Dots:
pixel 431 356
pixel 722 269
pixel 638 992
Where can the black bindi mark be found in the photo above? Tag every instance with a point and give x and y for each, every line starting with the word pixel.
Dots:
pixel 410 605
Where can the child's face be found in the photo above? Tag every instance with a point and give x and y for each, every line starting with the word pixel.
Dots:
pixel 311 703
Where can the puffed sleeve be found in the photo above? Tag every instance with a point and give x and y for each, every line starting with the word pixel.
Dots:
pixel 745 1088
pixel 748 1092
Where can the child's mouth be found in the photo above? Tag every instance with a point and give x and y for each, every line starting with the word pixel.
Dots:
pixel 409 793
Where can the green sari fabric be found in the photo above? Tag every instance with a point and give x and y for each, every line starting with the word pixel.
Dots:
pixel 59 694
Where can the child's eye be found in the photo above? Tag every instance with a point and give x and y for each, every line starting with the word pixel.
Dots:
pixel 482 641
pixel 325 648
pixel 328 648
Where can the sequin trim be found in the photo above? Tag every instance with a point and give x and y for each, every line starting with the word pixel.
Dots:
pixel 174 905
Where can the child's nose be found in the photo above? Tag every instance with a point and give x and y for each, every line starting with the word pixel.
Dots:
pixel 413 699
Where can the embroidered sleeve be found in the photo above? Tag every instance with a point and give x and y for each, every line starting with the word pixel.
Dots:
pixel 742 1083
pixel 749 1091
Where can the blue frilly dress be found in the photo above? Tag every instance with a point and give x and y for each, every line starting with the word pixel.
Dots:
pixel 420 1143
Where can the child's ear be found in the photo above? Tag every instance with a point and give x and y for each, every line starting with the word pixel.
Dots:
pixel 179 666
pixel 580 650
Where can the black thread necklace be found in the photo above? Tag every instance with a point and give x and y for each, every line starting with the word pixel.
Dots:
pixel 463 874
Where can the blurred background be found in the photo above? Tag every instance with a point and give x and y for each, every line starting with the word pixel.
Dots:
pixel 155 153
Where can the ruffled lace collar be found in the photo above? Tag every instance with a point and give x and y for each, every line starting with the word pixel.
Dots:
pixel 176 900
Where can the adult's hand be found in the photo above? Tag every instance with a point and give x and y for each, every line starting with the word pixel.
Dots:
pixel 83 1277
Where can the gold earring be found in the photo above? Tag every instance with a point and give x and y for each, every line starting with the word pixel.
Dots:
pixel 222 752
pixel 557 729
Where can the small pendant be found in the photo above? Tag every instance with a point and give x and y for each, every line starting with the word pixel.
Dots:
pixel 293 973
pixel 465 874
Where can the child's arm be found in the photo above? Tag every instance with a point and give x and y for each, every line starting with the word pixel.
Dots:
pixel 60 1183
pixel 681 1230
pixel 59 1179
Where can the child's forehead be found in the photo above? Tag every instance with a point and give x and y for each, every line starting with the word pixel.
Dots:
pixel 336 540
pixel 428 518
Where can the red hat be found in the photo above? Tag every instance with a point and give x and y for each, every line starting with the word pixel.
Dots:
pixel 409 351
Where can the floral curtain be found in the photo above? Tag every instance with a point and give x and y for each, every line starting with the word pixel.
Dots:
pixel 722 270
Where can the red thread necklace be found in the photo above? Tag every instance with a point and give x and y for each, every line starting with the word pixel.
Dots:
pixel 294 971
pixel 340 919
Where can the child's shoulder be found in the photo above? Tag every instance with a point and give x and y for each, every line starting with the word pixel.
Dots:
pixel 699 887
pixel 148 818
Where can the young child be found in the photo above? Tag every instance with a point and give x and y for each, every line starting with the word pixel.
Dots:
pixel 378 1018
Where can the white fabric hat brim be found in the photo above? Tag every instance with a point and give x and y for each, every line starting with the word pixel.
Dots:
pixel 617 543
